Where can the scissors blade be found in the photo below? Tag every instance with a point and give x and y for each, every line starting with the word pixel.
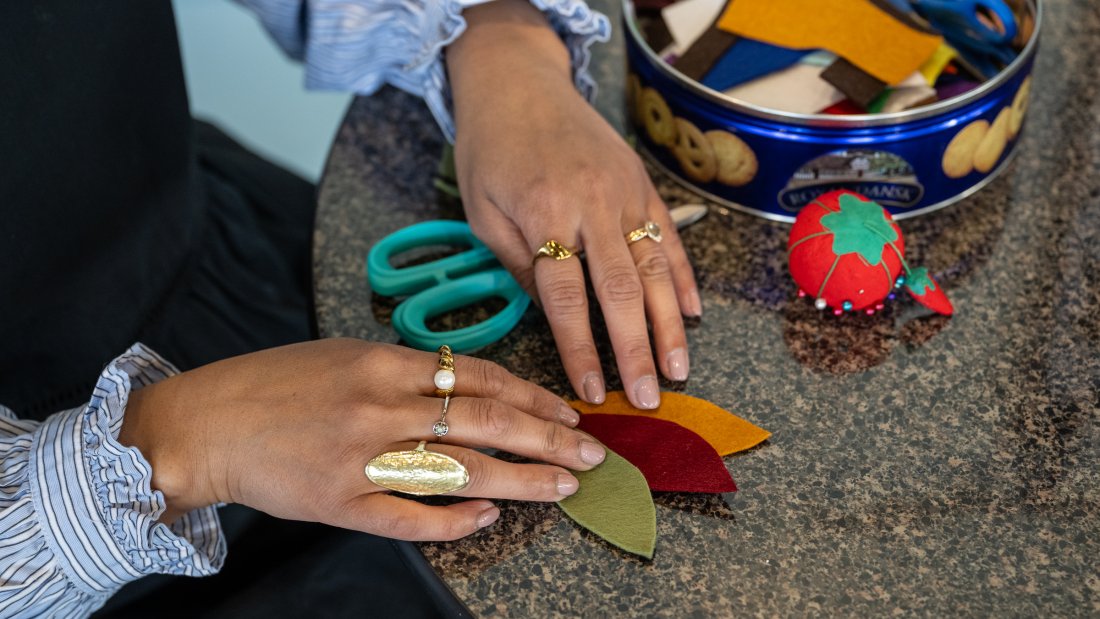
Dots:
pixel 688 214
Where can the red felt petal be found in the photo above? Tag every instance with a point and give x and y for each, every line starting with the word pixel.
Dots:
pixel 934 299
pixel 672 458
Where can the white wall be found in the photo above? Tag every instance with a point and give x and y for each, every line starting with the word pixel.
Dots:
pixel 239 78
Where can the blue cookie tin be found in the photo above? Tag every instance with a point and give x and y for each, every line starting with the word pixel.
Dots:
pixel 772 163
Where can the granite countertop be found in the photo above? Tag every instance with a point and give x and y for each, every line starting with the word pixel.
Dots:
pixel 919 464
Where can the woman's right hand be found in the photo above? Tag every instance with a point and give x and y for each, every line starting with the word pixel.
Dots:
pixel 289 431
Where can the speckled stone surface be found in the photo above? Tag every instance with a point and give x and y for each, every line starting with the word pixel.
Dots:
pixel 919 465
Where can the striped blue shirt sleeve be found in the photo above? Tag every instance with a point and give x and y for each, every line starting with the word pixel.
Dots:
pixel 78 518
pixel 359 45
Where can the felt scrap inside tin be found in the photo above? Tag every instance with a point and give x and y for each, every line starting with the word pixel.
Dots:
pixel 704 53
pixel 746 60
pixel 860 87
pixel 657 34
pixel 725 432
pixel 937 62
pixel 798 88
pixel 672 458
pixel 857 30
pixel 687 20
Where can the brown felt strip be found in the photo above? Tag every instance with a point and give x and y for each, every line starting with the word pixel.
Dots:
pixel 859 86
pixel 707 50
pixel 657 34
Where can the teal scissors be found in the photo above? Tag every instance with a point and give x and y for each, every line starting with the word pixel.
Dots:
pixel 469 277
pixel 981 30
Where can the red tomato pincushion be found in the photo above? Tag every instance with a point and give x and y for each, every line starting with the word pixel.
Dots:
pixel 846 251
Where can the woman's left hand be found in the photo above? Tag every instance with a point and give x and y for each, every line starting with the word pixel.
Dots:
pixel 535 163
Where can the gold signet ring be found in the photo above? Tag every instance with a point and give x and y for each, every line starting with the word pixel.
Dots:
pixel 649 231
pixel 552 249
pixel 417 471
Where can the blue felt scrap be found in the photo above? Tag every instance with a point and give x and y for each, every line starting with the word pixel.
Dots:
pixel 748 59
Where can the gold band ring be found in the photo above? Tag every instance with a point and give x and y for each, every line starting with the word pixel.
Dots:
pixel 445 375
pixel 648 231
pixel 417 471
pixel 552 249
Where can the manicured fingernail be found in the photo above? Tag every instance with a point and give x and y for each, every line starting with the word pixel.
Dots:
pixel 677 360
pixel 488 517
pixel 694 305
pixel 593 388
pixel 568 416
pixel 646 392
pixel 567 485
pixel 592 453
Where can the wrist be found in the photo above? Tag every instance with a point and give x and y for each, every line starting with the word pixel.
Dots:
pixel 507 47
pixel 149 426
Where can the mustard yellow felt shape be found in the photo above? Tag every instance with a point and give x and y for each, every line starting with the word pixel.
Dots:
pixel 614 502
pixel 725 432
pixel 856 30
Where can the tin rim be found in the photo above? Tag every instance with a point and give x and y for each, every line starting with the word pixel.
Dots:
pixel 848 121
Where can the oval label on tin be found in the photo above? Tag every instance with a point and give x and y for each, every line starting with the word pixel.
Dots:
pixel 884 177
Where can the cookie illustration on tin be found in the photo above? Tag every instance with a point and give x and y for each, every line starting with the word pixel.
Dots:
pixel 958 158
pixel 1019 108
pixel 659 122
pixel 737 164
pixel 694 152
pixel 993 143
pixel 634 99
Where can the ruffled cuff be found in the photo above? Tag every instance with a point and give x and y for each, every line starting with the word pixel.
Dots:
pixel 93 497
pixel 360 46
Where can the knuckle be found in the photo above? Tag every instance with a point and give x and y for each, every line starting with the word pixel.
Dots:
pixel 636 348
pixel 454 528
pixel 670 327
pixel 481 476
pixel 564 296
pixel 404 526
pixel 490 378
pixel 553 439
pixel 525 277
pixel 593 180
pixel 654 265
pixel 620 285
pixel 541 190
pixel 579 349
pixel 490 420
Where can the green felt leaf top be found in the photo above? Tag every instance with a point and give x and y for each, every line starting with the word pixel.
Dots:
pixel 859 227
pixel 614 502
pixel 918 281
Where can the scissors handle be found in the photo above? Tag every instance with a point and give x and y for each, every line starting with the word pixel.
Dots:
pixel 958 19
pixel 411 316
pixel 388 280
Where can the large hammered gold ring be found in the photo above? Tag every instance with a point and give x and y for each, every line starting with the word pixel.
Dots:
pixel 648 231
pixel 553 249
pixel 417 471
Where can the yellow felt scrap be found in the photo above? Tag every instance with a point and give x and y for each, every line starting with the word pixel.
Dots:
pixel 726 432
pixel 856 30
pixel 937 62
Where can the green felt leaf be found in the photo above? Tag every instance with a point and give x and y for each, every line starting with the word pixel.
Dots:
pixel 614 502
pixel 918 281
pixel 859 227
